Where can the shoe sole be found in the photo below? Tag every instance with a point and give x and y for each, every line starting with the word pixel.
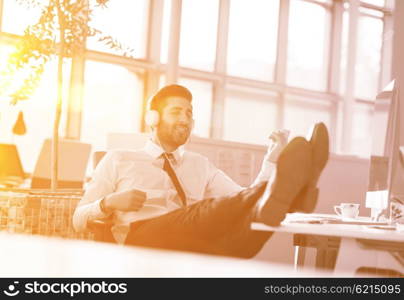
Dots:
pixel 292 175
pixel 319 141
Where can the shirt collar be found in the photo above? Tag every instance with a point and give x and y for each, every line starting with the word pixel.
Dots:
pixel 155 151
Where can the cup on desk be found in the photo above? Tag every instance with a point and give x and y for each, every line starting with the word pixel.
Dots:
pixel 347 210
pixel 397 212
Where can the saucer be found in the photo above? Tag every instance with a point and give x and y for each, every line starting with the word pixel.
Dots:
pixel 400 227
pixel 346 219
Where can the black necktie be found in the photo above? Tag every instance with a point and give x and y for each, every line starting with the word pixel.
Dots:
pixel 169 169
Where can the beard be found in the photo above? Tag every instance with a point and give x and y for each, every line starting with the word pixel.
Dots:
pixel 175 135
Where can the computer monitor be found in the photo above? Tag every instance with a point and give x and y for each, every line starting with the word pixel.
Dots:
pixel 386 173
pixel 72 164
pixel 11 170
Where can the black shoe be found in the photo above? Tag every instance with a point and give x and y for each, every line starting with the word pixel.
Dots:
pixel 319 141
pixel 293 173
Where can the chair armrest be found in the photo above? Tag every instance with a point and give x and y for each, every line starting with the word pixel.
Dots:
pixel 101 229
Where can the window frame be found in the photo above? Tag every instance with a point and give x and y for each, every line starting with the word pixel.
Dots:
pixel 152 68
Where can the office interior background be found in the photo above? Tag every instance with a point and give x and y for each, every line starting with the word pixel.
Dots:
pixel 253 67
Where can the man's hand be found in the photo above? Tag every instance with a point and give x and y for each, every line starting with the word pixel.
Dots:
pixel 279 140
pixel 129 200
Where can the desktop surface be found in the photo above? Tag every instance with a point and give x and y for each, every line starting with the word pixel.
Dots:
pixel 331 225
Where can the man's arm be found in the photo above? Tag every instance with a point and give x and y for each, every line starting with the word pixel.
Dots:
pixel 100 198
pixel 101 185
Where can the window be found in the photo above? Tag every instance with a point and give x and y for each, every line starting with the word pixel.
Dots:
pixel 198 34
pixel 361 129
pixel 344 52
pixel 307 45
pixel 39 113
pixel 201 103
pixel 375 2
pixel 27 15
pixel 112 102
pixel 368 55
pixel 124 20
pixel 301 113
pixel 249 120
pixel 243 87
pixel 253 30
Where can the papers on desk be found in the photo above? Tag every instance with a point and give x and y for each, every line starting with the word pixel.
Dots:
pixel 329 219
pixel 382 227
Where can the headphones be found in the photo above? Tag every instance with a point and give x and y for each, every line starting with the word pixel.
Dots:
pixel 152 118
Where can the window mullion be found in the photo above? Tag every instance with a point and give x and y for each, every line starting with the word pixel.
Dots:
pixel 75 96
pixel 282 46
pixel 75 99
pixel 152 76
pixel 386 53
pixel 281 57
pixel 174 42
pixel 334 68
pixel 155 30
pixel 216 128
pixel 1 15
pixel 349 101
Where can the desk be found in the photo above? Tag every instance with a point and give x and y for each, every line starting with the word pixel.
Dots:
pixel 352 246
pixel 38 256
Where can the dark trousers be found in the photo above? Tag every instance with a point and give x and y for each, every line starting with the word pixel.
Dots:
pixel 219 226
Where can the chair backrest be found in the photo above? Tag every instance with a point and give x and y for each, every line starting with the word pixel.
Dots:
pixel 97 156
pixel 72 164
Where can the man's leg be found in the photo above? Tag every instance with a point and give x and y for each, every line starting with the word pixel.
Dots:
pixel 199 227
pixel 293 173
pixel 296 167
pixel 243 242
pixel 209 225
pixel 319 142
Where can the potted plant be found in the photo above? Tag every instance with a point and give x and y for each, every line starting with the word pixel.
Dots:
pixel 60 33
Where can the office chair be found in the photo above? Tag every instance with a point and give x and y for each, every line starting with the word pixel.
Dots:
pixel 97 156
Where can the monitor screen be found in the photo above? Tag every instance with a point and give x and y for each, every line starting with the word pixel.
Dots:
pixel 10 163
pixel 385 165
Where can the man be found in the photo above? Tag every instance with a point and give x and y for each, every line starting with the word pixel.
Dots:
pixel 163 196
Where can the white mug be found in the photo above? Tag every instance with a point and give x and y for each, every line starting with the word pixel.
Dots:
pixel 347 210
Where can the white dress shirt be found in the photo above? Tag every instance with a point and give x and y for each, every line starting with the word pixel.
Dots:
pixel 143 170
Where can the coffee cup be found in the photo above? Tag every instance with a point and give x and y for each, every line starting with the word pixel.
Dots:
pixel 396 211
pixel 347 210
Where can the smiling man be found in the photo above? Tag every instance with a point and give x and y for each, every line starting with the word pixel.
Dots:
pixel 164 196
pixel 176 123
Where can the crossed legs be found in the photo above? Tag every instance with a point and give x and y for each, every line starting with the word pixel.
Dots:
pixel 221 226
pixel 214 225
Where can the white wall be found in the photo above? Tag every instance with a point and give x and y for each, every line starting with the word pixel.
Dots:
pixel 344 179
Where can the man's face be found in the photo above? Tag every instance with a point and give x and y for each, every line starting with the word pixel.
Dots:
pixel 176 121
